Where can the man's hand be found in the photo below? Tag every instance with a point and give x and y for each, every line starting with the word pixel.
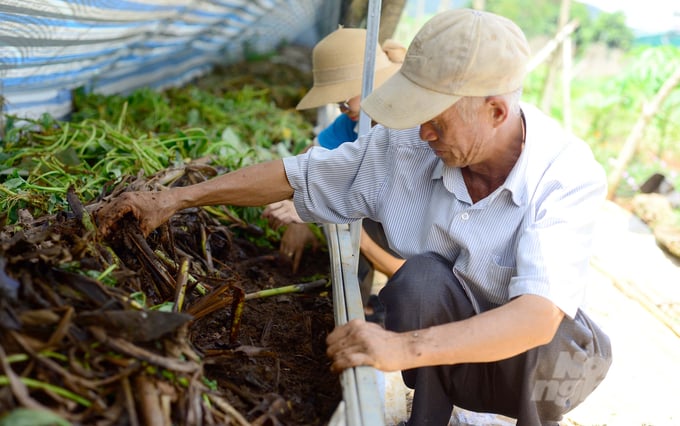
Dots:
pixel 152 209
pixel 281 213
pixel 294 240
pixel 365 343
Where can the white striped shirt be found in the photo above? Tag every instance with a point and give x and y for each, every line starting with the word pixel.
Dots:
pixel 532 235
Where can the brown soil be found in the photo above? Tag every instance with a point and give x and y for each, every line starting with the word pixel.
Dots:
pixel 280 352
pixel 269 368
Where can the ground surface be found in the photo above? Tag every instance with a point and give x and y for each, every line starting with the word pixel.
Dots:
pixel 632 284
pixel 286 335
pixel 63 328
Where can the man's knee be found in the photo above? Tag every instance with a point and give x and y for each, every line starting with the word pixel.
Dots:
pixel 569 370
pixel 573 380
pixel 419 279
pixel 420 270
pixel 424 292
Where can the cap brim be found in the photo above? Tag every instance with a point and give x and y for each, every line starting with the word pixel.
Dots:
pixel 401 104
pixel 323 95
pixel 341 91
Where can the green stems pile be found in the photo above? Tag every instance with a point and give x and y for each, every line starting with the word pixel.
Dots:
pixel 110 137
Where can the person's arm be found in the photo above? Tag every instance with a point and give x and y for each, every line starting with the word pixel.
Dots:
pixel 522 324
pixel 379 258
pixel 255 185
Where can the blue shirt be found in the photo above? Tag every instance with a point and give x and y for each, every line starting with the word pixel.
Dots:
pixel 343 129
pixel 532 235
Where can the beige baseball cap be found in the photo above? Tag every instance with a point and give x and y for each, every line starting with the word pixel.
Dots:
pixel 461 52
pixel 338 67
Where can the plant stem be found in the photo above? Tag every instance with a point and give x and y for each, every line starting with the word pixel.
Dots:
pixel 293 288
pixel 4 381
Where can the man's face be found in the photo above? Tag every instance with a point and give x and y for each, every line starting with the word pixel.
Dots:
pixel 459 143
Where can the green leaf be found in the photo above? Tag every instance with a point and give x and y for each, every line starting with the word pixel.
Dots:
pixel 29 417
pixel 230 137
pixel 164 307
pixel 14 183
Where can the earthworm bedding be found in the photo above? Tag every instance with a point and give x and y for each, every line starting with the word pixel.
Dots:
pixel 202 321
pixel 111 359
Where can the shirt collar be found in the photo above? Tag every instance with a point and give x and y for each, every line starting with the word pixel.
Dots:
pixel 438 170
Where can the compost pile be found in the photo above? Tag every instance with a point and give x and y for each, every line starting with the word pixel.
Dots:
pixel 201 322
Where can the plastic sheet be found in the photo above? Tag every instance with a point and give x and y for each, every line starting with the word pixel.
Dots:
pixel 50 47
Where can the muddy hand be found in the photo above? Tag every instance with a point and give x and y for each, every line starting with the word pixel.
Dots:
pixel 151 209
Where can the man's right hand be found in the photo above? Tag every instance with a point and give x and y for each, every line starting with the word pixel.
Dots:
pixel 152 209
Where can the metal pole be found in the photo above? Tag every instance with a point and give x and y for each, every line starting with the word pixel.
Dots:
pixel 372 30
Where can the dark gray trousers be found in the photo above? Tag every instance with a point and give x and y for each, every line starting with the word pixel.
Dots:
pixel 536 387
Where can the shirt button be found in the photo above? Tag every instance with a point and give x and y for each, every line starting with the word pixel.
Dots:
pixel 465 216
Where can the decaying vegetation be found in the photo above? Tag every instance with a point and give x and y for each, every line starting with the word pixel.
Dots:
pixel 200 323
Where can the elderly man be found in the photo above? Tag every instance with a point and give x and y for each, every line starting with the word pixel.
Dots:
pixel 493 206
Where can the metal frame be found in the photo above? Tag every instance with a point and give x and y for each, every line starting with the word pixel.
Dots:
pixel 363 402
pixel 362 387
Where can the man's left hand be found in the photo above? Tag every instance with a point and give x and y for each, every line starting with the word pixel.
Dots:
pixel 365 343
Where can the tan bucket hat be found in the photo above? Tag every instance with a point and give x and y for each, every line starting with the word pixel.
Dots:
pixel 338 67
pixel 461 52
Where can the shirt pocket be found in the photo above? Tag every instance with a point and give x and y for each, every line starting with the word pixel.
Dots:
pixel 500 270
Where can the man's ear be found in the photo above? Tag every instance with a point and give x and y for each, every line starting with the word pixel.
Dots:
pixel 497 109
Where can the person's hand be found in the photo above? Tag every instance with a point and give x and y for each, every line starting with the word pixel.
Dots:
pixel 281 213
pixel 365 343
pixel 294 240
pixel 152 209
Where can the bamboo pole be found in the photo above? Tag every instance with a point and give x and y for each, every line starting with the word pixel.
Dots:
pixel 554 67
pixel 552 45
pixel 565 11
pixel 633 140
pixel 566 83
pixel 390 15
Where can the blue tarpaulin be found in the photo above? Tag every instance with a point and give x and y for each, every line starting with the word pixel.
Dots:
pixel 50 47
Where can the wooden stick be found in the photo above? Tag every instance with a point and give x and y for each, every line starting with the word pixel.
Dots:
pixel 632 142
pixel 181 286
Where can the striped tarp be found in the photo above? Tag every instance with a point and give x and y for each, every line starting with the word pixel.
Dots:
pixel 50 47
